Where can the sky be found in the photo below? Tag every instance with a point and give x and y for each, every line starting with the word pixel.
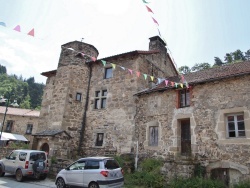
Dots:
pixel 195 31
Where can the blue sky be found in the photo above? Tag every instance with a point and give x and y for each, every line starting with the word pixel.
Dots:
pixel 195 30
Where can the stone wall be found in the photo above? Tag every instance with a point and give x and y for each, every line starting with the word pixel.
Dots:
pixel 211 102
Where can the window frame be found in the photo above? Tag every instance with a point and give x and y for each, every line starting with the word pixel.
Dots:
pixel 155 141
pixel 236 126
pixel 108 75
pixel 9 124
pixel 184 98
pixel 28 127
pixel 79 96
pixel 100 101
pixel 99 143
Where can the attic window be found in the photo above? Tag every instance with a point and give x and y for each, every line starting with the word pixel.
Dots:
pixel 108 73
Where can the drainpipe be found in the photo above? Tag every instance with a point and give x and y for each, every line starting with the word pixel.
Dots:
pixel 85 109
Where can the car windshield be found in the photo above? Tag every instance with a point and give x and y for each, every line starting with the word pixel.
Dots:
pixel 111 164
pixel 37 155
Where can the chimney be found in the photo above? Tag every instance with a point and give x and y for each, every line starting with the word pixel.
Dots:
pixel 156 43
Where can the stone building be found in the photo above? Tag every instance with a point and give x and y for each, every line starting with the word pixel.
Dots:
pixel 22 122
pixel 112 105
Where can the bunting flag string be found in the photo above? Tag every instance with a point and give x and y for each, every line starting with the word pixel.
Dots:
pixel 131 72
pixel 18 29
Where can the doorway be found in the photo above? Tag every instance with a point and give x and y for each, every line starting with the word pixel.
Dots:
pixel 185 137
pixel 45 147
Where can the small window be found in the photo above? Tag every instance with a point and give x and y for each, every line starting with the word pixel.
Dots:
pixel 22 156
pixel 79 165
pixel 92 165
pixel 111 164
pixel 235 126
pixel 29 129
pixel 100 99
pixel 153 136
pixel 99 139
pixel 9 126
pixel 108 73
pixel 78 96
pixel 184 97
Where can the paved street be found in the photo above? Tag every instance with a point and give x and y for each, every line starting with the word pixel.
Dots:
pixel 9 181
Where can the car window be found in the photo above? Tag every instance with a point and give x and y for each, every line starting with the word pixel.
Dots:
pixel 22 156
pixel 111 164
pixel 13 155
pixel 79 165
pixel 92 165
pixel 37 155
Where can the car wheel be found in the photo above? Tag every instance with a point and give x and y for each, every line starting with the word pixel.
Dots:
pixel 19 175
pixel 60 183
pixel 93 185
pixel 43 177
pixel 1 171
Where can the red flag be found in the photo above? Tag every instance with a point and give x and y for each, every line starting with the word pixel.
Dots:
pixel 149 9
pixel 32 32
pixel 93 58
pixel 17 28
pixel 155 21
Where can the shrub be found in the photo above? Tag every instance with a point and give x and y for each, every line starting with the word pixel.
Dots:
pixel 245 184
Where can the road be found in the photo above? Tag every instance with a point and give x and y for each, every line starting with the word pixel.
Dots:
pixel 9 181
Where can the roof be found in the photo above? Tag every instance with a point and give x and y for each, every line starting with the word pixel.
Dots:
pixel 49 73
pixel 19 111
pixel 51 132
pixel 11 136
pixel 207 75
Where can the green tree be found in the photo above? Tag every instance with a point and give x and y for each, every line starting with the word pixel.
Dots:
pixel 3 69
pixel 217 61
pixel 238 56
pixel 228 58
pixel 184 69
pixel 200 66
pixel 247 54
pixel 25 103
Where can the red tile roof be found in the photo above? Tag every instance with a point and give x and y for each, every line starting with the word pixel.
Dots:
pixel 207 75
pixel 19 111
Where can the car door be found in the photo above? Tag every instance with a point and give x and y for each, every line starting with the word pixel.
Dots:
pixel 74 174
pixel 10 162
pixel 91 172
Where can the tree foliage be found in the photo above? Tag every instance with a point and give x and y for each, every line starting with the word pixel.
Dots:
pixel 200 66
pixel 184 69
pixel 27 93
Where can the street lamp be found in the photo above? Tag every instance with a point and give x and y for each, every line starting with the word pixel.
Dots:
pixel 6 109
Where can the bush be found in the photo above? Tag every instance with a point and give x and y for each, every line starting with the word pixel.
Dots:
pixel 245 184
pixel 196 182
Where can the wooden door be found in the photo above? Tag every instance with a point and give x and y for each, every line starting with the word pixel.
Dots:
pixel 185 137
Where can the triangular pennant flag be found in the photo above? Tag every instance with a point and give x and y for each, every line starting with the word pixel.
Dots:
pixel 144 1
pixel 159 32
pixel 131 71
pixel 122 67
pixel 138 74
pixel 166 82
pixel 113 65
pixel 93 58
pixel 2 24
pixel 32 32
pixel 152 78
pixel 172 84
pixel 187 85
pixel 159 80
pixel 103 62
pixel 145 76
pixel 149 9
pixel 181 85
pixel 155 21
pixel 182 78
pixel 17 28
pixel 176 85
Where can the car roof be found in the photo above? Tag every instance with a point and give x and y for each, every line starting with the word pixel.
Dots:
pixel 29 150
pixel 96 158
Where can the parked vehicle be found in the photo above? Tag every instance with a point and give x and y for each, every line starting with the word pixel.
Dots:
pixel 91 172
pixel 25 163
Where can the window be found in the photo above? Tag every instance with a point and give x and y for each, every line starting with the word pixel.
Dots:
pixel 29 129
pixel 108 73
pixel 79 165
pixel 100 99
pixel 235 125
pixel 92 165
pixel 78 96
pixel 99 139
pixel 153 136
pixel 9 126
pixel 184 98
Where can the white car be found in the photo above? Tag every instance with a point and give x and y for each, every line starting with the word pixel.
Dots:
pixel 25 163
pixel 91 172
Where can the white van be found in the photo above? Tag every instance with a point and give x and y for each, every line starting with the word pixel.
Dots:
pixel 25 163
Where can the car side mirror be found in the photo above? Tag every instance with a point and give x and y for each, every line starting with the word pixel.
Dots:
pixel 7 157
